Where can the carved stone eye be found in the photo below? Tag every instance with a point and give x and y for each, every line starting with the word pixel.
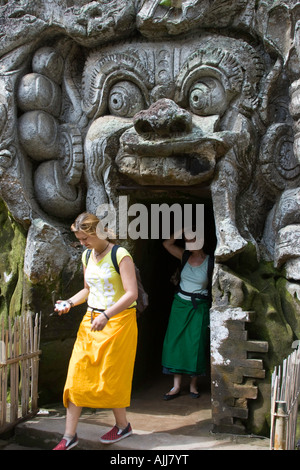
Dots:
pixel 207 97
pixel 125 99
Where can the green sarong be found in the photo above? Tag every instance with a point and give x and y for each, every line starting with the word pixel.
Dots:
pixel 185 343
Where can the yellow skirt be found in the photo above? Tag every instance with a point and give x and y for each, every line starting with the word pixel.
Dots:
pixel 102 362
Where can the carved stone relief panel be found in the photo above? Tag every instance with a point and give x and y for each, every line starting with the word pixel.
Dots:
pixel 213 113
pixel 203 93
pixel 190 89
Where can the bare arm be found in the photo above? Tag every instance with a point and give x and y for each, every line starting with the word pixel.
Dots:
pixel 172 248
pixel 128 277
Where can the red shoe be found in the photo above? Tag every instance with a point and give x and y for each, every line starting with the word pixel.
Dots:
pixel 116 434
pixel 67 444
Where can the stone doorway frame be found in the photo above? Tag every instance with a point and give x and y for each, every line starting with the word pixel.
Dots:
pixel 232 372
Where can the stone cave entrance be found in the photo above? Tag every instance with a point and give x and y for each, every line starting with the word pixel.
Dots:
pixel 157 266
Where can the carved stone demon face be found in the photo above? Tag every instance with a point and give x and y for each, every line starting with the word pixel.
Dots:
pixel 174 98
pixel 160 113
pixel 166 113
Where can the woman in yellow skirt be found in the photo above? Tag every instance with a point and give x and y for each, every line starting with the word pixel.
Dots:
pixel 101 366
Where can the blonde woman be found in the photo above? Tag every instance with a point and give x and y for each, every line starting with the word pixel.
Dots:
pixel 101 366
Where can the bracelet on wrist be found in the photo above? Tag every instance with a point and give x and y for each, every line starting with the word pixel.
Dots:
pixel 70 302
pixel 107 318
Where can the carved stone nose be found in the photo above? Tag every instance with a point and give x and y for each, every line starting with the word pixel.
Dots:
pixel 163 119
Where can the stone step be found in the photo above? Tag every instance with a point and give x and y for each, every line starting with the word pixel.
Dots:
pixel 44 432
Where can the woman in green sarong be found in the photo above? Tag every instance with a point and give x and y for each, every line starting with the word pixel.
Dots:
pixel 185 343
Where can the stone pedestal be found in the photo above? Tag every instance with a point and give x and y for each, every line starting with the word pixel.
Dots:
pixel 233 373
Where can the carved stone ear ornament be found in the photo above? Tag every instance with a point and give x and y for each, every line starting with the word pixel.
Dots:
pixel 55 181
pixel 280 168
pixel 71 153
pixel 54 195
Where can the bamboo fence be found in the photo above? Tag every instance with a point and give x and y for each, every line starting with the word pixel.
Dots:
pixel 19 365
pixel 284 403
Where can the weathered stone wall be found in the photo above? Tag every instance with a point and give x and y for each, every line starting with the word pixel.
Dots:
pixel 13 242
pixel 148 95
